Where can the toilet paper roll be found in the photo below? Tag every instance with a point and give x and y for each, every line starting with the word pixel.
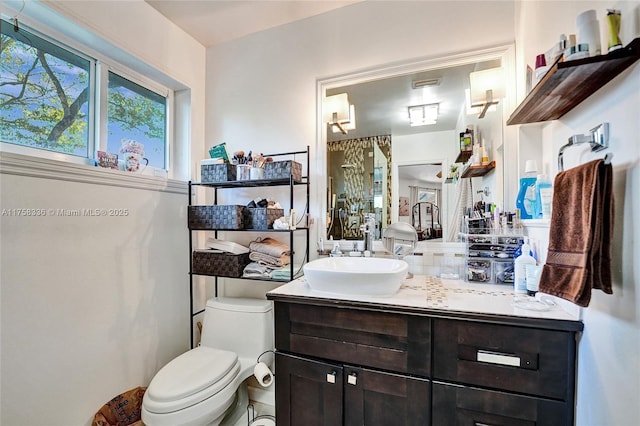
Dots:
pixel 263 374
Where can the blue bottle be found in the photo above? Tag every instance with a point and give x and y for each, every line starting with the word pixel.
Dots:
pixel 526 200
pixel 544 195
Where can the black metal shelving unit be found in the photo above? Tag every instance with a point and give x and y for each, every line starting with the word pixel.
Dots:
pixel 255 183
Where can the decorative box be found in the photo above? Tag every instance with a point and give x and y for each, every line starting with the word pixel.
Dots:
pixel 262 217
pixel 219 263
pixel 283 170
pixel 217 217
pixel 217 172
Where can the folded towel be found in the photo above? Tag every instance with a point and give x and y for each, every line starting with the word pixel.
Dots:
pixel 270 261
pixel 255 270
pixel 284 273
pixel 579 257
pixel 269 246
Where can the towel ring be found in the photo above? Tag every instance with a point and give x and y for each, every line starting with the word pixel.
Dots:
pixel 598 138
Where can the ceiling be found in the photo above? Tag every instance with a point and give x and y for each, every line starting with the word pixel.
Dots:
pixel 213 22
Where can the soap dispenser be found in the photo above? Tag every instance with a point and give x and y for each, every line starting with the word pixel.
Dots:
pixel 519 267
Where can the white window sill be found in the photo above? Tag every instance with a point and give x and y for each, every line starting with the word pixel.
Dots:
pixel 26 165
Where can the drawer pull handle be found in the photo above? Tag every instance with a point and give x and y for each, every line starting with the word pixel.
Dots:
pixel 497 358
pixel 331 377
pixel 352 379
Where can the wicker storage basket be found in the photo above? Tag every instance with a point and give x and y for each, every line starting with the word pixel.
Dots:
pixel 219 263
pixel 283 170
pixel 262 217
pixel 217 217
pixel 212 173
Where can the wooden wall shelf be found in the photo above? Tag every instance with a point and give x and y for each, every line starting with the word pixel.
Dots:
pixel 567 83
pixel 477 171
pixel 463 156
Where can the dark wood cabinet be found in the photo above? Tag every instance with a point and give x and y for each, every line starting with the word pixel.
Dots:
pixel 313 392
pixel 309 392
pixel 458 405
pixel 378 398
pixel 349 363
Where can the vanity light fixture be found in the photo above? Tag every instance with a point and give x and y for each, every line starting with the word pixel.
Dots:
pixel 477 109
pixel 339 114
pixel 422 115
pixel 487 88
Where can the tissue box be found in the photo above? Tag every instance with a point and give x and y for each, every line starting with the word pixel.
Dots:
pixel 217 217
pixel 219 263
pixel 283 170
pixel 262 217
pixel 211 172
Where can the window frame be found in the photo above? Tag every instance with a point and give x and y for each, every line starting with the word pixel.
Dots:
pixel 100 66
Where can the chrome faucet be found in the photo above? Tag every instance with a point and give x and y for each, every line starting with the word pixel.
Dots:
pixel 368 230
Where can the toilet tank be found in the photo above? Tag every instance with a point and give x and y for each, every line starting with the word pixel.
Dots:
pixel 244 326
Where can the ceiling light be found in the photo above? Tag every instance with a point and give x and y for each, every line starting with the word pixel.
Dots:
pixel 487 87
pixel 417 84
pixel 422 115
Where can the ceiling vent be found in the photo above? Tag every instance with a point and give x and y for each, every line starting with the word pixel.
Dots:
pixel 419 84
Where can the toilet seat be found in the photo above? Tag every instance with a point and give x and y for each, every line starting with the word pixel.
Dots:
pixel 191 378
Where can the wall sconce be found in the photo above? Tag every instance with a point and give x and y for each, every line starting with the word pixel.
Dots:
pixel 422 115
pixel 487 88
pixel 340 115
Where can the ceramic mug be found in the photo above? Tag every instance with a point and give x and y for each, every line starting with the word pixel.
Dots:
pixel 132 161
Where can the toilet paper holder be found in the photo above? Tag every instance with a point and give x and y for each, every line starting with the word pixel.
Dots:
pixel 264 353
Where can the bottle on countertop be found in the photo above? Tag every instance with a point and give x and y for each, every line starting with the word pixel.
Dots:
pixel 519 267
pixel 544 195
pixel 526 200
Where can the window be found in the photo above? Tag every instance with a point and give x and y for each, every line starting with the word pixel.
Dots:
pixel 44 94
pixel 136 114
pixel 49 101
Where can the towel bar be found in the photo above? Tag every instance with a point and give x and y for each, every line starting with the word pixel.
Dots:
pixel 598 138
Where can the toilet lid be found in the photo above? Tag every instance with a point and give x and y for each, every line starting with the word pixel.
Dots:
pixel 193 372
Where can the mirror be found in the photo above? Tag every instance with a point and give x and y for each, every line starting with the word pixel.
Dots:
pixel 415 185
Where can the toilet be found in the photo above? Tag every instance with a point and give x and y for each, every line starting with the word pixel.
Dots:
pixel 204 385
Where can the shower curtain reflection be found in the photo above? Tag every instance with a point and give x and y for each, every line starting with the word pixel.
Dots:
pixel 359 182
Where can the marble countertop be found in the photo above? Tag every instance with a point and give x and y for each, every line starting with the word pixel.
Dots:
pixel 442 295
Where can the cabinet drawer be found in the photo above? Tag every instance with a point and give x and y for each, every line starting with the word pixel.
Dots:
pixel 524 360
pixel 455 405
pixel 377 339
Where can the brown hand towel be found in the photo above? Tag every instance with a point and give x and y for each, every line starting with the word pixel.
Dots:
pixel 579 256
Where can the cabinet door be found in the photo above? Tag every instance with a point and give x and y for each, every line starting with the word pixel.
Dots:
pixel 455 405
pixel 308 392
pixel 376 398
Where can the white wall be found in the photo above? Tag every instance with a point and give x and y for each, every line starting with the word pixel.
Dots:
pixel 609 366
pixel 92 306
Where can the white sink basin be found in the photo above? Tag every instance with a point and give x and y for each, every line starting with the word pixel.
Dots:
pixel 369 276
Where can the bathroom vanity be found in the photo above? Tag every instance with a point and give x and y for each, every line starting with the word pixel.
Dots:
pixel 438 352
